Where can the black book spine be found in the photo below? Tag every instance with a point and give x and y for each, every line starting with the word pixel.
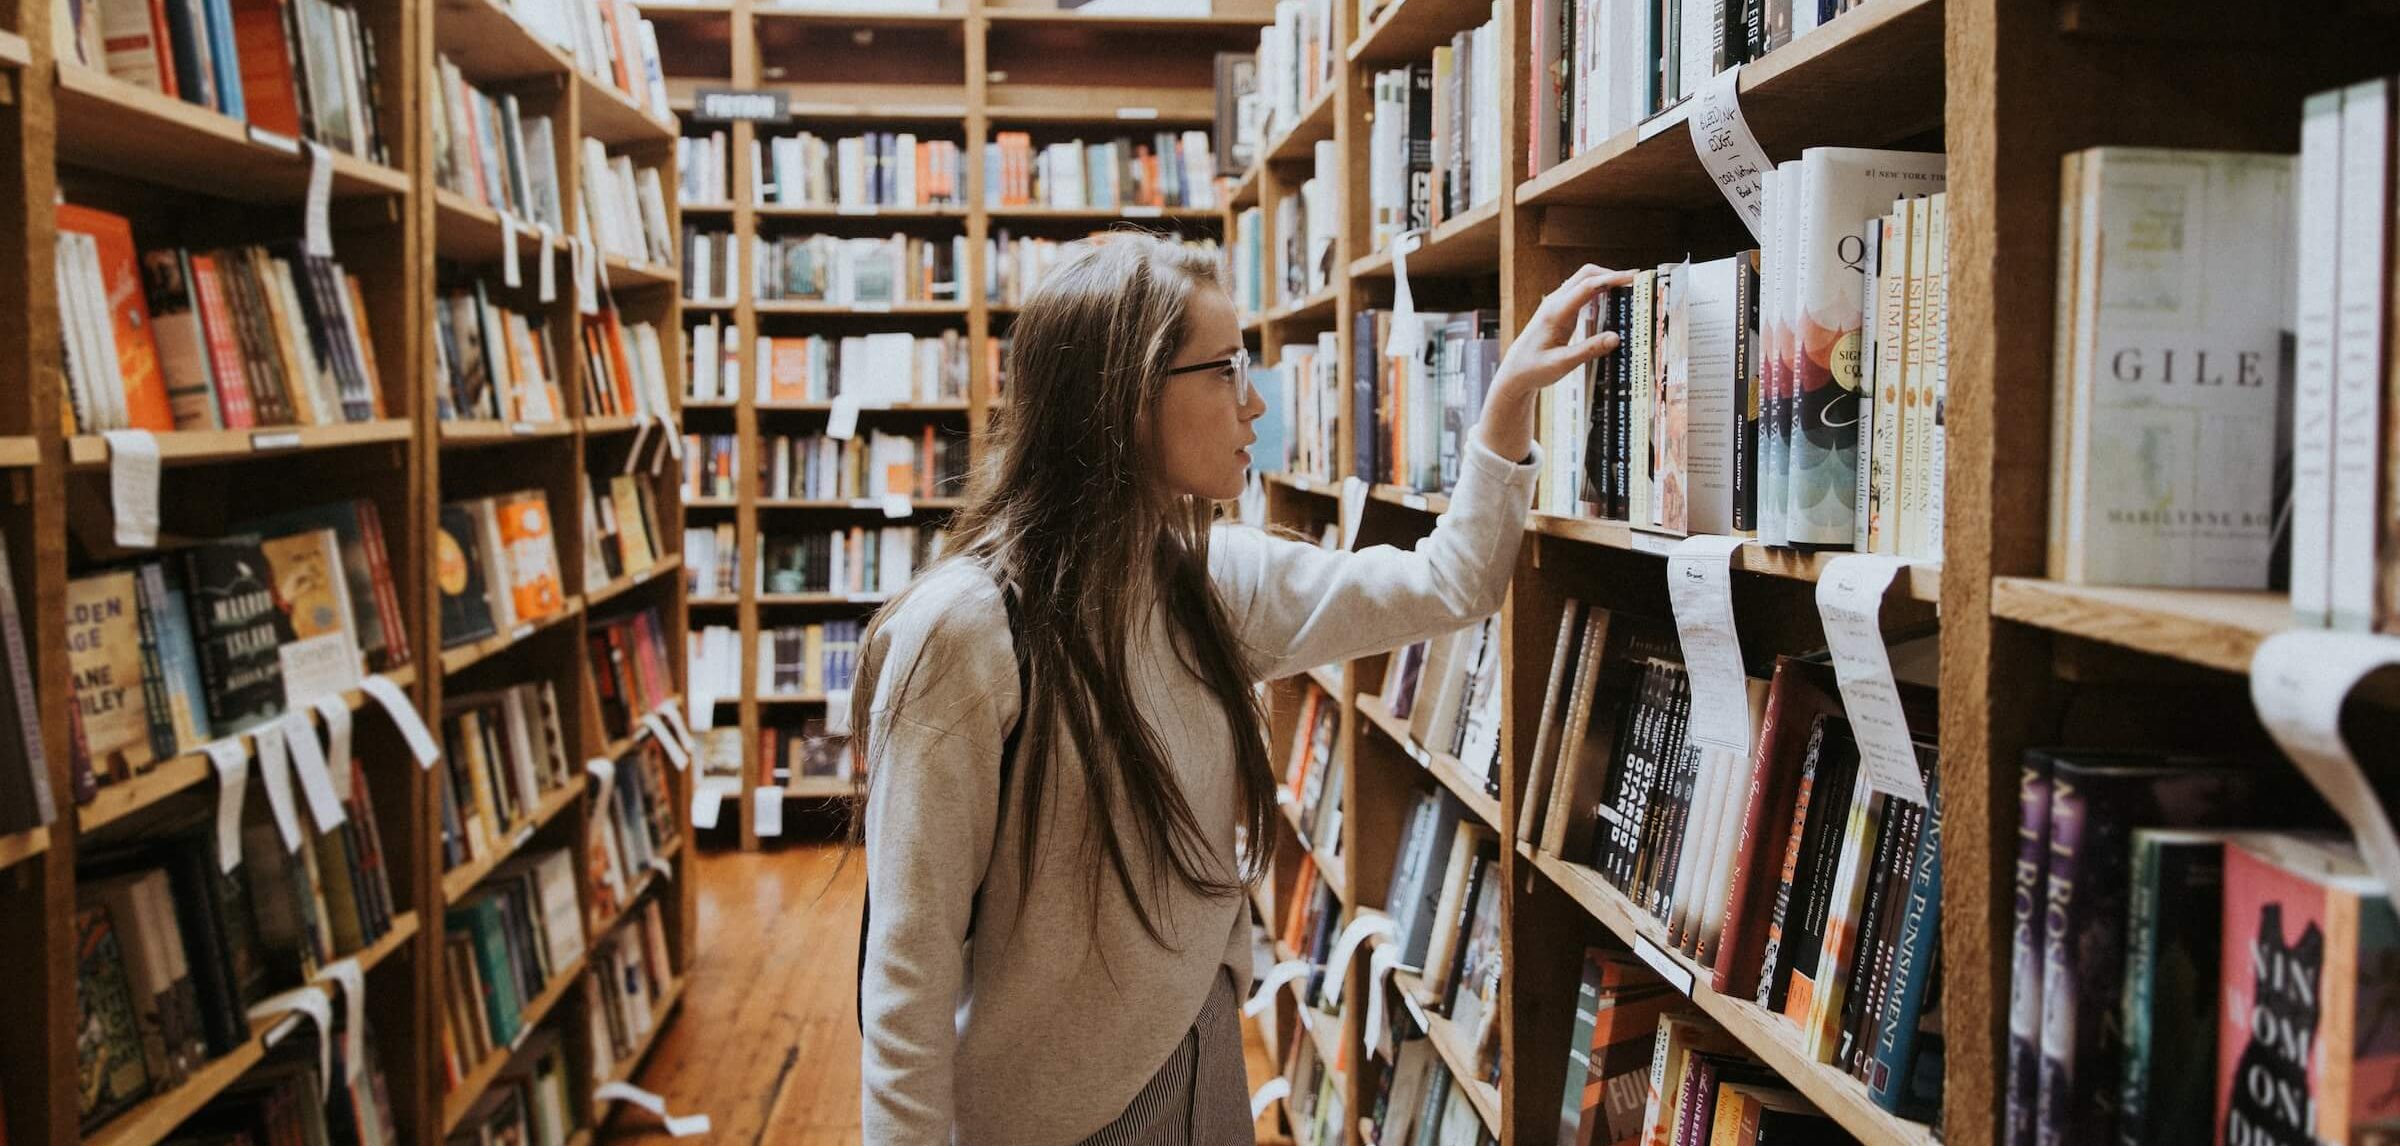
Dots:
pixel 28 802
pixel 1420 146
pixel 1621 459
pixel 1861 975
pixel 1812 885
pixel 150 592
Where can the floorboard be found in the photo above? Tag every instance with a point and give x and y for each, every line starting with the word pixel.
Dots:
pixel 766 1043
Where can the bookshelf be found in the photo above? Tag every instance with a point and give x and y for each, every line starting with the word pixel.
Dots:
pixel 962 73
pixel 2006 89
pixel 185 175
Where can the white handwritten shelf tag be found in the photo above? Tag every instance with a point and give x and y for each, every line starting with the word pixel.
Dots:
pixel 230 758
pixel 1408 333
pixel 766 812
pixel 1263 996
pixel 316 227
pixel 545 273
pixel 2298 682
pixel 677 1126
pixel 1345 949
pixel 318 1006
pixel 1700 587
pixel 510 274
pixel 403 714
pixel 1850 600
pixel 133 487
pixel 1728 150
pixel 275 773
pixel 308 762
pixel 335 712
pixel 1267 1094
pixel 353 981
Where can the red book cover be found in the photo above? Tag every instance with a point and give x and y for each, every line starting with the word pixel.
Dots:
pixel 1801 691
pixel 224 345
pixel 269 97
pixel 129 312
pixel 2305 1048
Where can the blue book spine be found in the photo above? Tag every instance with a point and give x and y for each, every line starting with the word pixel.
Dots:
pixel 1897 1032
pixel 226 58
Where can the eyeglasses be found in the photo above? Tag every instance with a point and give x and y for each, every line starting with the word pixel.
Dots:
pixel 1236 370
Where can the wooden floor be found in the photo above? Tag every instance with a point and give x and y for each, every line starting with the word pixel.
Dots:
pixel 766 1042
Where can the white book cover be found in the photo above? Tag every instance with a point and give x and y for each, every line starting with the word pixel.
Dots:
pixel 2319 239
pixel 1708 320
pixel 2359 344
pixel 1780 192
pixel 2175 376
pixel 1937 319
pixel 1841 188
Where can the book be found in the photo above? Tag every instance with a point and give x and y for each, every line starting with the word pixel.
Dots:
pixel 458 562
pixel 2165 460
pixel 142 387
pixel 311 588
pixel 2173 938
pixel 2299 1053
pixel 111 1074
pixel 105 660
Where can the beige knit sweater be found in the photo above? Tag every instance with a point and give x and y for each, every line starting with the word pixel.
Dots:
pixel 1053 1021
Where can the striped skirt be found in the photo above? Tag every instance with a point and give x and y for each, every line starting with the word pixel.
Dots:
pixel 1201 1097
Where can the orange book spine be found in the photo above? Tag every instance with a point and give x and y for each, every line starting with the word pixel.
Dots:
pixel 146 405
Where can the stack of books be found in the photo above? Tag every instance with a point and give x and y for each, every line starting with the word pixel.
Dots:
pixel 493 362
pixel 858 272
pixel 624 207
pixel 631 669
pixel 504 943
pixel 508 561
pixel 854 561
pixel 859 172
pixel 875 465
pixel 504 751
pixel 1434 153
pixel 1167 169
pixel 485 149
pixel 876 369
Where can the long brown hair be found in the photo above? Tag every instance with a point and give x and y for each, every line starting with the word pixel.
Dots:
pixel 1067 513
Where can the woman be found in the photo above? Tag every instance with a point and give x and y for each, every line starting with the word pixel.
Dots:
pixel 1061 729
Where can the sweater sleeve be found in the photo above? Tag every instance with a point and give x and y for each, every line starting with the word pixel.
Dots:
pixel 1298 606
pixel 933 798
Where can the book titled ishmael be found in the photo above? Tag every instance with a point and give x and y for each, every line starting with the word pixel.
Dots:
pixel 2170 357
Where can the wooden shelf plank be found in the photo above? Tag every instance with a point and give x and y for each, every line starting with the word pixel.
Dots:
pixel 823 598
pixel 489 45
pixel 202 447
pixel 888 408
pixel 1320 307
pixel 480 433
pixel 1244 192
pixel 1769 1036
pixel 706 305
pixel 456 1103
pixel 1001 17
pixel 1412 29
pixel 859 16
pixel 712 601
pixel 1441 765
pixel 626 274
pixel 711 503
pixel 17 847
pixel 1299 142
pixel 615 118
pixel 461 880
pixel 874 211
pixel 2217 629
pixel 1880 63
pixel 157 138
pixel 603 425
pixel 19 452
pixel 460 658
pixel 116 801
pixel 1018 104
pixel 1466 245
pixel 858 505
pixel 1301 483
pixel 819 788
pixel 1921 581
pixel 1457 1049
pixel 844 309
pixel 469 232
pixel 671 563
pixel 1102 214
pixel 787 698
pixel 160 1114
pixel 1435 503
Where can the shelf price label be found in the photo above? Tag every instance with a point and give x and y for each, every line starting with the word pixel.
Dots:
pixel 1850 601
pixel 1700 587
pixel 133 487
pixel 2299 680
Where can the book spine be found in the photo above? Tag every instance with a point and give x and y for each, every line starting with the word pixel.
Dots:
pixel 2055 1107
pixel 2027 943
pixel 2360 343
pixel 2320 188
pixel 150 602
pixel 1899 1021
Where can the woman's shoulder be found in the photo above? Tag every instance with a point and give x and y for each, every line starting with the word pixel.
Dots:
pixel 951 622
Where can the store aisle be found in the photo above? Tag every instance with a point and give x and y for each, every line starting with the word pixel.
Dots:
pixel 767 1043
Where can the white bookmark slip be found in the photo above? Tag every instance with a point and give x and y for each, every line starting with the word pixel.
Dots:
pixel 510 275
pixel 2298 681
pixel 308 762
pixel 353 981
pixel 545 268
pixel 1700 587
pixel 403 713
pixel 230 759
pixel 1267 1094
pixel 707 803
pixel 275 772
pixel 1729 151
pixel 133 486
pixel 1263 995
pixel 335 712
pixel 603 772
pixel 666 741
pixel 837 712
pixel 1354 506
pixel 766 811
pixel 1337 966
pixel 316 227
pixel 1407 334
pixel 674 717
pixel 842 423
pixel 1850 601
pixel 683 1126
pixel 1379 973
pixel 897 505
pixel 312 1002
pixel 587 292
pixel 701 705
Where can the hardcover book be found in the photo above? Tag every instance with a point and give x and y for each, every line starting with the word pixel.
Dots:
pixel 104 657
pixel 322 657
pixel 458 572
pixel 240 627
